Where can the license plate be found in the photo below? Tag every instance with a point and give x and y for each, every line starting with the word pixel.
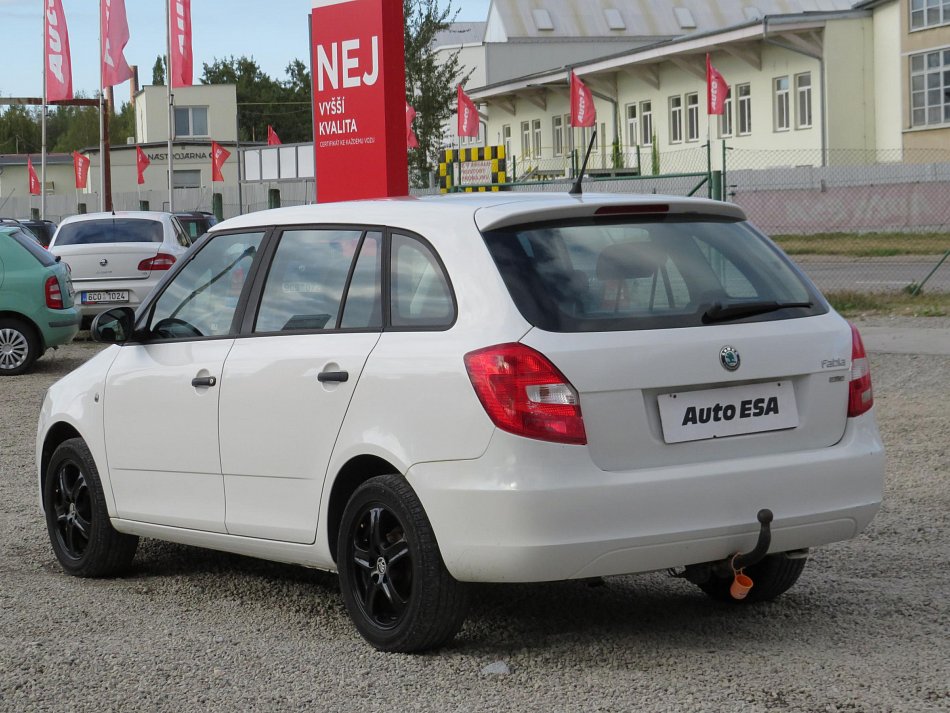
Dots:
pixel 730 411
pixel 90 298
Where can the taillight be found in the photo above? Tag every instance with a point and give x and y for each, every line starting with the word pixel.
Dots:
pixel 54 295
pixel 162 261
pixel 860 394
pixel 525 394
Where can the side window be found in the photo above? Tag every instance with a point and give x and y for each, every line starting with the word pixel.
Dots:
pixel 181 235
pixel 304 288
pixel 364 300
pixel 420 291
pixel 202 299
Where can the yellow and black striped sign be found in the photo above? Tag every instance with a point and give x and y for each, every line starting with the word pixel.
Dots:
pixel 478 169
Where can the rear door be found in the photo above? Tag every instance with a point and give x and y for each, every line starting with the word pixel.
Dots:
pixel 688 340
pixel 287 383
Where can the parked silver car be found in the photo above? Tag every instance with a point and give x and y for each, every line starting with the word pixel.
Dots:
pixel 117 258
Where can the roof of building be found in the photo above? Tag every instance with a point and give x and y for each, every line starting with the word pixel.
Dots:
pixel 460 33
pixel 19 159
pixel 519 20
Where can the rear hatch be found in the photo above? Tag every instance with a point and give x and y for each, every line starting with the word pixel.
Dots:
pixel 108 248
pixel 688 338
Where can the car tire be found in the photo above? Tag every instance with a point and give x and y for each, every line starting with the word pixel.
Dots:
pixel 395 585
pixel 773 576
pixel 19 346
pixel 83 539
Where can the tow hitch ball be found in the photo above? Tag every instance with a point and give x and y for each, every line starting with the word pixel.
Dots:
pixel 734 564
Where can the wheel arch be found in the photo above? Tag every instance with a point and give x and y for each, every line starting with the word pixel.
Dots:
pixel 352 475
pixel 56 435
pixel 37 332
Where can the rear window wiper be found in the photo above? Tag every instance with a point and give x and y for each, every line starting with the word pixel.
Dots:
pixel 724 312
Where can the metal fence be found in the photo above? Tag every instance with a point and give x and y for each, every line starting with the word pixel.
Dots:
pixel 860 221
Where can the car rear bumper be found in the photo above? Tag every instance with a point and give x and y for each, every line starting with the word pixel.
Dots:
pixel 138 290
pixel 60 326
pixel 531 511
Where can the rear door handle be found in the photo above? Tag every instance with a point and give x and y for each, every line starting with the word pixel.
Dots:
pixel 204 381
pixel 325 376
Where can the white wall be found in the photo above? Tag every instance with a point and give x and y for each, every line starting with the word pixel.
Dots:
pixel 151 110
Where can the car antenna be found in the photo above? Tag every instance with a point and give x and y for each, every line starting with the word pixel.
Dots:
pixel 576 189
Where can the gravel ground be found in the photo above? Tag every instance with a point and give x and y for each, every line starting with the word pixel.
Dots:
pixel 867 628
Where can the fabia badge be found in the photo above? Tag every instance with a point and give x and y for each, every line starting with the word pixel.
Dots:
pixel 729 358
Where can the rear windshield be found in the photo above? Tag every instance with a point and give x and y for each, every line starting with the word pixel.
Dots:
pixel 657 273
pixel 110 230
pixel 32 246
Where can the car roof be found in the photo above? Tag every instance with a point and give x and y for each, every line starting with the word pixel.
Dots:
pixel 489 210
pixel 137 214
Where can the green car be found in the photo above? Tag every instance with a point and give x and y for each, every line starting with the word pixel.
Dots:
pixel 36 301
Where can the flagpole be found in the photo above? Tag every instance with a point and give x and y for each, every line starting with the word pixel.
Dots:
pixel 102 128
pixel 43 155
pixel 171 110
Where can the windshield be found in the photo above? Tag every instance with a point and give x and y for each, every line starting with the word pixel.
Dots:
pixel 110 230
pixel 655 273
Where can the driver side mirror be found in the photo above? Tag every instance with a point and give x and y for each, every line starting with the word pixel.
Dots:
pixel 113 326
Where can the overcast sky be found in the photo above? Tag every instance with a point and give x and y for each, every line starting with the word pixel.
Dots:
pixel 274 32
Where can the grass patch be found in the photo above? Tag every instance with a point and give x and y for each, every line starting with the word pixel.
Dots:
pixel 865 244
pixel 853 304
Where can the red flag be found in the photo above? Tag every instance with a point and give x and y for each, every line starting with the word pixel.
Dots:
pixel 115 36
pixel 81 169
pixel 34 181
pixel 141 163
pixel 182 56
pixel 716 89
pixel 272 138
pixel 583 111
pixel 411 140
pixel 218 156
pixel 467 115
pixel 59 65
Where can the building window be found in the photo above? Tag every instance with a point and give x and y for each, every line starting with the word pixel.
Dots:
pixel 744 92
pixel 506 138
pixel 525 139
pixel 191 121
pixel 692 117
pixel 803 100
pixel 930 88
pixel 536 131
pixel 632 133
pixel 725 119
pixel 780 103
pixel 190 178
pixel 557 132
pixel 929 13
pixel 646 123
pixel 676 120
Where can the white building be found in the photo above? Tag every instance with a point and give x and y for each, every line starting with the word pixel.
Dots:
pixel 812 81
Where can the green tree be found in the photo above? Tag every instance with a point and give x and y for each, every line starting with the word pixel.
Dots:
pixel 430 84
pixel 20 130
pixel 158 71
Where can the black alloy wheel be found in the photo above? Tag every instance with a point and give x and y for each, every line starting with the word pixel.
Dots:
pixel 77 519
pixel 383 572
pixel 71 509
pixel 394 583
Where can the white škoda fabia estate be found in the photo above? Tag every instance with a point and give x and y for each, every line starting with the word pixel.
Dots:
pixel 424 393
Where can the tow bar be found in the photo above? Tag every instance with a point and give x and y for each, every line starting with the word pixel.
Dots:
pixel 734 564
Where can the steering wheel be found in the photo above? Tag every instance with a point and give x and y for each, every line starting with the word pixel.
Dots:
pixel 174 328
